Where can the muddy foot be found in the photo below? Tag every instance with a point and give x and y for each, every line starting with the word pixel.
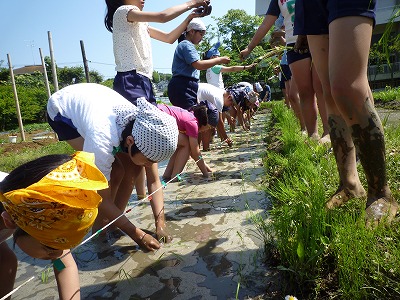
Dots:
pixel 163 235
pixel 341 197
pixel 380 210
pixel 326 139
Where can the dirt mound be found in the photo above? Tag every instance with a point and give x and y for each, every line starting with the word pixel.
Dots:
pixel 32 141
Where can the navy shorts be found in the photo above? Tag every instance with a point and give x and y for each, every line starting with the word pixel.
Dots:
pixel 133 85
pixel 182 91
pixel 295 56
pixel 286 73
pixel 63 127
pixel 313 17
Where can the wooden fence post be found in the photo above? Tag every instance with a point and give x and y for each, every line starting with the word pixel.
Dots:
pixel 21 126
pixel 53 62
pixel 85 64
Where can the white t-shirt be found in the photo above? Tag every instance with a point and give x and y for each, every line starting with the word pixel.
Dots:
pixel 212 94
pixel 99 115
pixel 2 176
pixel 214 76
pixel 132 45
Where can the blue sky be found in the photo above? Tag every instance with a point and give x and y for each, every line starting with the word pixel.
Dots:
pixel 25 24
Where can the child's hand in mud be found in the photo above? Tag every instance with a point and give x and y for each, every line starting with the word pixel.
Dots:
pixel 147 242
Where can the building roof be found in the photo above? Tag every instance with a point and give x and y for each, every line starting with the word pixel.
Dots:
pixel 28 70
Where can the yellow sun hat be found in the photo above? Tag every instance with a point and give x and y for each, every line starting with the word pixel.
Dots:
pixel 59 209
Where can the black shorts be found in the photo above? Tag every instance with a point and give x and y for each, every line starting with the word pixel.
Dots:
pixel 63 127
pixel 313 17
pixel 295 56
pixel 286 75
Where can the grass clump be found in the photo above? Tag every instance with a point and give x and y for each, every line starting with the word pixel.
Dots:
pixel 324 254
pixel 387 95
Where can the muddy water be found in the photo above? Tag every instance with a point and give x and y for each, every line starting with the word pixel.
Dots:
pixel 215 253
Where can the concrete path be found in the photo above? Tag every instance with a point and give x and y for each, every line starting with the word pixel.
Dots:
pixel 216 252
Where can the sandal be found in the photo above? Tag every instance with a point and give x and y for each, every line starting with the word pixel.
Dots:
pixel 381 209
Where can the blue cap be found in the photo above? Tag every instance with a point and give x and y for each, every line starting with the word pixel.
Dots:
pixel 213 50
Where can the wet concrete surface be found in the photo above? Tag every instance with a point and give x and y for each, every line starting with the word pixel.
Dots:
pixel 389 117
pixel 216 252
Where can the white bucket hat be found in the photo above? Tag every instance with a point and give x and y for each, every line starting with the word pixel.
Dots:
pixel 196 24
pixel 155 132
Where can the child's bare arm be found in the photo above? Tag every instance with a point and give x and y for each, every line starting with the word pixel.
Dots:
pixel 195 154
pixel 68 279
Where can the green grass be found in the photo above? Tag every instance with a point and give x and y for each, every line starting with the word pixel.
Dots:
pixel 324 254
pixel 388 94
pixel 11 160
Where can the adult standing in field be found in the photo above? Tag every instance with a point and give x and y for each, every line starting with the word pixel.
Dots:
pixel 339 36
pixel 132 48
pixel 124 139
pixel 305 79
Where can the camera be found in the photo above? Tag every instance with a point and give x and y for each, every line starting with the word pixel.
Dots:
pixel 203 10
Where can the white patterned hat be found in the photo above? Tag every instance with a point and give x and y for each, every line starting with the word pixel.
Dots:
pixel 155 132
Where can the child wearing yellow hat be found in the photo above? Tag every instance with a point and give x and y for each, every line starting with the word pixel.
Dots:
pixel 50 204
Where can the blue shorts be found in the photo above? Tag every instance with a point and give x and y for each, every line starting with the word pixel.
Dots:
pixel 313 17
pixel 132 86
pixel 295 56
pixel 182 91
pixel 63 127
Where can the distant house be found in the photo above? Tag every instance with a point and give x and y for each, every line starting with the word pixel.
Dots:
pixel 28 70
pixel 382 75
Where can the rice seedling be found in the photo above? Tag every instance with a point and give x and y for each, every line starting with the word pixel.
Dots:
pixel 322 250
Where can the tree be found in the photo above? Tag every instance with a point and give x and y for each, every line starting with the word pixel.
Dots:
pixel 156 77
pixel 70 75
pixel 96 77
pixel 4 75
